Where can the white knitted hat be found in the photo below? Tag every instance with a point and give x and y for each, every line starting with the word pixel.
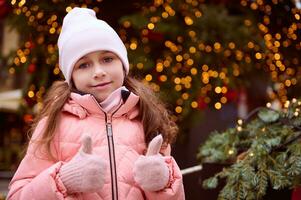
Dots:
pixel 83 33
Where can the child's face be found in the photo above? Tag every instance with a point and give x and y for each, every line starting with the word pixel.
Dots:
pixel 98 73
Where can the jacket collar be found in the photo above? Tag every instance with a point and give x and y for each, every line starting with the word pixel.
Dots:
pixel 82 105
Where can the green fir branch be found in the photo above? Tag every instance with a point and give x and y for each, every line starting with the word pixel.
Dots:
pixel 263 152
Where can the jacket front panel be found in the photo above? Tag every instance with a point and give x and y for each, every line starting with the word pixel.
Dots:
pixel 80 116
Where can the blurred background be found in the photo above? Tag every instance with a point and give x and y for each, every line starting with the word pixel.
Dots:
pixel 211 61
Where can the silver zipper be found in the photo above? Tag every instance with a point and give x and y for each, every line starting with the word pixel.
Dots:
pixel 108 120
pixel 112 157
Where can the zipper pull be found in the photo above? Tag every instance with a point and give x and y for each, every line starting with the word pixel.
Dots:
pixel 109 129
pixel 109 124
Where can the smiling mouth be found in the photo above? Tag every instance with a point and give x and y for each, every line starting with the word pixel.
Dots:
pixel 101 84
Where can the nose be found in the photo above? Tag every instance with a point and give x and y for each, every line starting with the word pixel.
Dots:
pixel 98 71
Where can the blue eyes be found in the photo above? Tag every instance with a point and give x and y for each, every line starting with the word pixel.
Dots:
pixel 105 60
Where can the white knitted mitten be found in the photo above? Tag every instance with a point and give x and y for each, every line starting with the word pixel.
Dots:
pixel 85 172
pixel 151 171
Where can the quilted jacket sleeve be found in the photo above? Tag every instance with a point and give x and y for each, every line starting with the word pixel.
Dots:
pixel 174 190
pixel 36 177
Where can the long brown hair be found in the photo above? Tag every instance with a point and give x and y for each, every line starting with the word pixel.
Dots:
pixel 152 112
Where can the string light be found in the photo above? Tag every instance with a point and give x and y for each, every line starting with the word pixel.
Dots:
pixel 182 62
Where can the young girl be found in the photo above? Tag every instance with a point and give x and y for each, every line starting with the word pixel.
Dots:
pixel 101 134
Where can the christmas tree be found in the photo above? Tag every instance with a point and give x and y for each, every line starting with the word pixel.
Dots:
pixel 262 152
pixel 266 151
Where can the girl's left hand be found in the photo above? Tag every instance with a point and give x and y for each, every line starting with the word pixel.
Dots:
pixel 151 171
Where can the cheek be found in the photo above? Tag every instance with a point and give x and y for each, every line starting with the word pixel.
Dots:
pixel 78 79
pixel 118 74
pixel 121 77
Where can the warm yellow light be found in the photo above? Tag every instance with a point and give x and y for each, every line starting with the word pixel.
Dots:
pixel 224 89
pixel 56 71
pixel 218 105
pixel 194 104
pixel 68 9
pixel 205 80
pixel 277 36
pixel 163 78
pixel 178 109
pixel 287 83
pixel 185 96
pixel 178 88
pixel 180 102
pixel 151 26
pixel 52 30
pixel 231 45
pixel 192 49
pixel 248 22
pixel 21 3
pixel 11 70
pixel 190 61
pixel 277 56
pixel 140 65
pixel 236 72
pixel 193 71
pixel 148 77
pixel 164 15
pixel 23 59
pixel 208 48
pixel 17 61
pixel 168 43
pixel 198 14
pixel 179 58
pixel 126 24
pixel 230 152
pixel 214 74
pixel 205 68
pixel 188 20
pixel 224 100
pixel 258 55
pixel 222 75
pixel 250 45
pixel 278 63
pixel 192 33
pixel 159 67
pixel 133 46
pixel 217 45
pixel 177 80
pixel 286 104
pixel 30 94
pixel 218 90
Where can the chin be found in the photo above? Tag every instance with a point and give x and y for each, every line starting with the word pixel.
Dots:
pixel 100 99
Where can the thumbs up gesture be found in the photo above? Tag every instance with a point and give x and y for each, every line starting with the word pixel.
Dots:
pixel 85 172
pixel 151 171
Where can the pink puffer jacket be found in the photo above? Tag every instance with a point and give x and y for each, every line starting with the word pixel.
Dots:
pixel 37 177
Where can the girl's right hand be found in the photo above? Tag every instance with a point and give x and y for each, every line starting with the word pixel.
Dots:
pixel 85 172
